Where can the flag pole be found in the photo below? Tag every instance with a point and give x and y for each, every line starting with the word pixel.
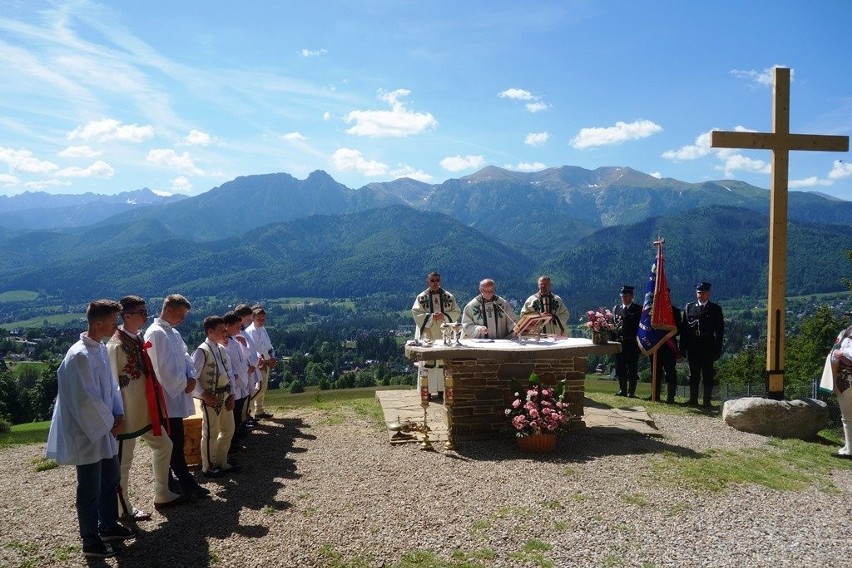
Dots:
pixel 654 398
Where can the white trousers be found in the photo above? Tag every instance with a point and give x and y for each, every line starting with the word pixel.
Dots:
pixel 216 433
pixel 435 375
pixel 257 399
pixel 161 452
pixel 844 401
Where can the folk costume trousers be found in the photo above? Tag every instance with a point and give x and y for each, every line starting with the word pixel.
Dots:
pixel 844 401
pixel 161 452
pixel 217 429
pixel 257 399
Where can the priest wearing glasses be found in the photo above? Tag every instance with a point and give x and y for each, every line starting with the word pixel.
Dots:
pixel 432 307
pixel 488 315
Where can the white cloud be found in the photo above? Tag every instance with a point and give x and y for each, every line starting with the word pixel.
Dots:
pixel 294 136
pixel 181 184
pixel 537 106
pixel 398 122
pixel 197 138
pixel 621 132
pixel 526 167
pixel 314 52
pixel 409 172
pixel 691 151
pixel 812 181
pixel 738 162
pixel 8 179
pixel 765 78
pixel 23 161
pixel 349 159
pixel 169 158
pixel 99 169
pixel 458 163
pixel 840 170
pixel 533 102
pixel 536 138
pixel 111 129
pixel 517 94
pixel 326 115
pixel 79 152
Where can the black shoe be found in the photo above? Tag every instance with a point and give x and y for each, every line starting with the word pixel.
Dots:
pixel 670 400
pixel 180 500
pixel 621 393
pixel 213 472
pixel 200 492
pixel 118 532
pixel 707 404
pixel 631 395
pixel 841 456
pixel 99 550
pixel 263 415
pixel 174 485
pixel 692 402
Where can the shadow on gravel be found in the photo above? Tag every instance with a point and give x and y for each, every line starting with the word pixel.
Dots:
pixel 181 539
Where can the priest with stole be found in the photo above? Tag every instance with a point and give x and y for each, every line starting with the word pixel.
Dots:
pixel 432 307
pixel 488 315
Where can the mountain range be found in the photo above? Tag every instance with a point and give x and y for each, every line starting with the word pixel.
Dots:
pixel 274 235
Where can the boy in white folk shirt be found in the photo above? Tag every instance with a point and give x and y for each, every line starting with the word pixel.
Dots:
pixel 266 356
pixel 237 349
pixel 87 418
pixel 255 376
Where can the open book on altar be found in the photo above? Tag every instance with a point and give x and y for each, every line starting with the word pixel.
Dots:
pixel 530 324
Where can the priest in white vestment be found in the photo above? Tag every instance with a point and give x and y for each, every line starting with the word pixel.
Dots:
pixel 488 315
pixel 546 302
pixel 432 307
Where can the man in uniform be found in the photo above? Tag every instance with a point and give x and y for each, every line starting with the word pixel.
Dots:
pixel 546 302
pixel 627 316
pixel 144 408
pixel 701 342
pixel 432 307
pixel 488 315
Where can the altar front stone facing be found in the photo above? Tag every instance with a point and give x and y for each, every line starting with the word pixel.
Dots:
pixel 483 372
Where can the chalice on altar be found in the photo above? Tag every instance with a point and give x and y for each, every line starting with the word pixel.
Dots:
pixel 447 332
pixel 457 333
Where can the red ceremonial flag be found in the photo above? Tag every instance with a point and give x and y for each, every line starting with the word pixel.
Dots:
pixel 657 324
pixel 662 316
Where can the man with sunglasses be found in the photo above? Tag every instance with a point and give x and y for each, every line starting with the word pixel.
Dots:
pixel 144 408
pixel 432 307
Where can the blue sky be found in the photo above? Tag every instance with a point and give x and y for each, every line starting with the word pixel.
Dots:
pixel 181 97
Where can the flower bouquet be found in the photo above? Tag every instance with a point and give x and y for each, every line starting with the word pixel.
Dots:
pixel 602 323
pixel 538 410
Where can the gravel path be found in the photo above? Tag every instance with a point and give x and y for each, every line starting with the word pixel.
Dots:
pixel 326 489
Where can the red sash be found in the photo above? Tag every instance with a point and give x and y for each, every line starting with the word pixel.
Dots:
pixel 154 395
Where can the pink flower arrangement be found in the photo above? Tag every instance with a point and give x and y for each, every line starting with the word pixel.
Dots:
pixel 601 319
pixel 538 409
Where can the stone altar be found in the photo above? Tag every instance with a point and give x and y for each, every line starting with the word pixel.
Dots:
pixel 482 372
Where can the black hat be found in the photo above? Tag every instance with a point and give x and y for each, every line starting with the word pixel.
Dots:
pixel 625 289
pixel 702 287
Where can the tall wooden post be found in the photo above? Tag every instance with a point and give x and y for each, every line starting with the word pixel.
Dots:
pixel 780 141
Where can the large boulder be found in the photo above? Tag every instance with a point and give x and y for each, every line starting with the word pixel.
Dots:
pixel 800 418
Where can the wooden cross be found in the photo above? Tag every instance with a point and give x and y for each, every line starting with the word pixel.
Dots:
pixel 780 141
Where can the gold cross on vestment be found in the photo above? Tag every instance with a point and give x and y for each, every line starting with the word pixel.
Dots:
pixel 780 141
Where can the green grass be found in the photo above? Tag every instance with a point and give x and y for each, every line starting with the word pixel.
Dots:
pixel 58 320
pixel 21 367
pixel 18 296
pixel 20 434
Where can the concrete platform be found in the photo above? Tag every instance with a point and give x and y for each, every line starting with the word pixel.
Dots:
pixel 403 406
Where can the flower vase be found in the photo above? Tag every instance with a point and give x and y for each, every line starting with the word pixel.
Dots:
pixel 600 338
pixel 537 443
